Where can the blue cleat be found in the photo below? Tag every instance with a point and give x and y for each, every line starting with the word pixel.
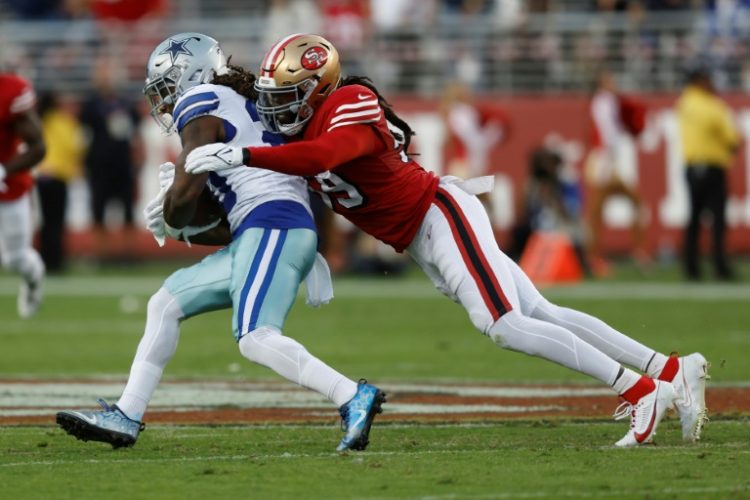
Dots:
pixel 357 416
pixel 109 425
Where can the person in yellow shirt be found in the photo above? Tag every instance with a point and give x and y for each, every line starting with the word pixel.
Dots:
pixel 709 141
pixel 65 145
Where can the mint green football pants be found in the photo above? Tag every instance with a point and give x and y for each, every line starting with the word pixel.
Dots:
pixel 258 275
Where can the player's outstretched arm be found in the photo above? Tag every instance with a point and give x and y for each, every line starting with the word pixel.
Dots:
pixel 304 158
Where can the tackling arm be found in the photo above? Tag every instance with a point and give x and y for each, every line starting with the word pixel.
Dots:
pixel 182 197
pixel 307 158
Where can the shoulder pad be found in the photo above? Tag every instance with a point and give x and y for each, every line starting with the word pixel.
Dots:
pixel 198 101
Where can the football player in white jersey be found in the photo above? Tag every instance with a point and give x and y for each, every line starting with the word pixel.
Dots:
pixel 271 247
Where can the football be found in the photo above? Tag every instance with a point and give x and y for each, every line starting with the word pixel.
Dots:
pixel 207 210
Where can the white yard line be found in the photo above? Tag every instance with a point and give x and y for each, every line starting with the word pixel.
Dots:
pixel 37 398
pixel 30 398
pixel 119 286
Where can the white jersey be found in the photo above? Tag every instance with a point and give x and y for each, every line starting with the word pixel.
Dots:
pixel 241 189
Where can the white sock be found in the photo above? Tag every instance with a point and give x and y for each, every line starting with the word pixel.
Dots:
pixel 154 352
pixel 597 333
pixel 144 377
pixel 287 357
pixel 554 343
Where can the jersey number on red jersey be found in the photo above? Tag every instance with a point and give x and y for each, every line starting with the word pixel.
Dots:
pixel 335 190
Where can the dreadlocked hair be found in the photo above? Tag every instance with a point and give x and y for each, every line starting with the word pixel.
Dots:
pixel 238 79
pixel 390 115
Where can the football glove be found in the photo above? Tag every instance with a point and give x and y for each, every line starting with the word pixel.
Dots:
pixel 213 157
pixel 166 175
pixel 153 212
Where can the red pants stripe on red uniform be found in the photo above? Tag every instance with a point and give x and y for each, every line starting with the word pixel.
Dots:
pixel 472 254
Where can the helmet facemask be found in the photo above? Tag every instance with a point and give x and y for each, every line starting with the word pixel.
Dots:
pixel 285 110
pixel 162 96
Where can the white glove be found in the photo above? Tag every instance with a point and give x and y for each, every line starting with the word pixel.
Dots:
pixel 3 175
pixel 166 175
pixel 154 215
pixel 212 157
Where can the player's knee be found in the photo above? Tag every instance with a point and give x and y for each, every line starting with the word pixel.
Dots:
pixel 252 343
pixel 504 331
pixel 17 261
pixel 481 319
pixel 546 310
pixel 164 305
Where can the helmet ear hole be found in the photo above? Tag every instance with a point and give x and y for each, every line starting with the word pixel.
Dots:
pixel 196 76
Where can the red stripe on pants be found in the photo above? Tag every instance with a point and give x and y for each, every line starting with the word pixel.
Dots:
pixel 478 267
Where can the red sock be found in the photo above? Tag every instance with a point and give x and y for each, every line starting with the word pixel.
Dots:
pixel 644 386
pixel 670 367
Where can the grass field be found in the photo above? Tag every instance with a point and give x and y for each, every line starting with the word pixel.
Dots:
pixel 392 332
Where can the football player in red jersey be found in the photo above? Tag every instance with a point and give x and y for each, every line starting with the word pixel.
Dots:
pixel 21 147
pixel 351 146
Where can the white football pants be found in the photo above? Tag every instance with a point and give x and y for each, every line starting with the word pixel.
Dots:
pixel 16 229
pixel 456 247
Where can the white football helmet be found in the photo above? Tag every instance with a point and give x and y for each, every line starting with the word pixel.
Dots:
pixel 178 63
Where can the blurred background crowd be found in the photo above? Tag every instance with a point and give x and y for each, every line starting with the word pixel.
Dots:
pixel 465 62
pixel 503 45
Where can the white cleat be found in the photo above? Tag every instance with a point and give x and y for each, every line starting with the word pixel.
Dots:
pixel 29 298
pixel 646 414
pixel 690 384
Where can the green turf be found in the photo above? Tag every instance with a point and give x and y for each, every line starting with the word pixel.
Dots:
pixel 383 330
pixel 404 330
pixel 504 460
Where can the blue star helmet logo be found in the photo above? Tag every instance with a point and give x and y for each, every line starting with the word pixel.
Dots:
pixel 177 47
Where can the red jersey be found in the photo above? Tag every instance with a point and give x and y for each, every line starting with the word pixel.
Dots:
pixel 16 97
pixel 385 194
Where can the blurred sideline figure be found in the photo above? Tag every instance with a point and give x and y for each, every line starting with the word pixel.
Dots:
pixel 21 148
pixel 353 150
pixel 471 134
pixel 63 136
pixel 270 236
pixel 551 202
pixel 709 141
pixel 614 119
pixel 110 121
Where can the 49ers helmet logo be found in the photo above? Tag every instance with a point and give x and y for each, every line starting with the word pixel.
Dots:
pixel 314 58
